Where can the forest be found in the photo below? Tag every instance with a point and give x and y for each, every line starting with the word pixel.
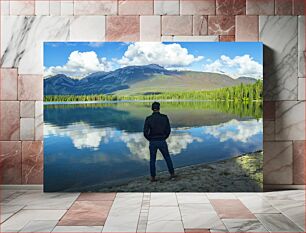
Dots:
pixel 242 92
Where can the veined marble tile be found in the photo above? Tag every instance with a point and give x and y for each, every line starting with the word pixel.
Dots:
pixel 55 7
pixel 150 28
pixel 293 195
pixel 278 223
pixel 87 28
pixel 27 108
pixel 5 7
pixel 301 89
pixel 10 160
pixel 192 198
pixel 66 7
pixel 196 38
pixel 105 7
pixel 124 213
pixel 39 226
pixel 239 225
pixel 122 219
pixel 20 219
pixel 42 7
pixel 135 7
pixel 166 7
pixel 301 46
pixel 205 216
pixel 177 25
pixel 299 162
pixel 278 163
pixel 39 120
pixel 294 210
pixel 269 130
pixel 75 229
pixel 221 196
pixel 200 25
pixel 8 210
pixel 22 7
pixel 279 35
pixel 8 84
pixel 163 199
pixel 165 226
pixel 22 40
pixel 35 200
pixel 290 120
pixel 9 121
pixel 26 128
pixel 257 205
pixel 168 213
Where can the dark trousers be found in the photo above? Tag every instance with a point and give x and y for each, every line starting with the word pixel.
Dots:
pixel 163 148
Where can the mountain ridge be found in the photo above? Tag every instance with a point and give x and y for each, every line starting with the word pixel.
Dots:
pixel 139 80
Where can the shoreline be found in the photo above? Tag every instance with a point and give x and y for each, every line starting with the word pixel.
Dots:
pixel 242 173
pixel 135 101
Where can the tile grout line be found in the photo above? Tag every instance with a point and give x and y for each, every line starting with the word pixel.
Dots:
pixel 145 205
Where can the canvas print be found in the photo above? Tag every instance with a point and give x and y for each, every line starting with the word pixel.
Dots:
pixel 153 117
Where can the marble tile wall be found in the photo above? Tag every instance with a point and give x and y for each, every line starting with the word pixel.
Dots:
pixel 279 24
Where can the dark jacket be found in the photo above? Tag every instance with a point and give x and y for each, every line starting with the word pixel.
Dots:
pixel 156 127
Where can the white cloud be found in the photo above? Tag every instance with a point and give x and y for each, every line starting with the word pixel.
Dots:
pixel 238 66
pixel 84 136
pixel 139 146
pixel 238 131
pixel 81 134
pixel 166 55
pixel 80 64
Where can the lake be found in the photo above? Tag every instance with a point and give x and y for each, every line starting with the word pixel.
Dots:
pixel 101 144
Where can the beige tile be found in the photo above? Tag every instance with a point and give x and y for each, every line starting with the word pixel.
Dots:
pixel 55 8
pixel 27 109
pixel 161 213
pixel 301 89
pixel 74 229
pixel 8 84
pixel 9 120
pixel 177 25
pixel 27 129
pixel 165 226
pixel 203 7
pixel 135 7
pixel 107 7
pixel 95 28
pixel 22 7
pixel 277 168
pixel 66 7
pixel 5 7
pixel 290 120
pixel 150 28
pixel 39 226
pixel 42 7
pixel 166 7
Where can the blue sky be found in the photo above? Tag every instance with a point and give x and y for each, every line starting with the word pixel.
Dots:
pixel 82 58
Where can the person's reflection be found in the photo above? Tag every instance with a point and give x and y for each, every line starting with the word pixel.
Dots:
pixel 156 130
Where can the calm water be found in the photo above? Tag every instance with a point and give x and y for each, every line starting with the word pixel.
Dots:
pixel 102 144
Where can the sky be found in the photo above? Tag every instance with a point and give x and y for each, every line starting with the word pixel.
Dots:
pixel 79 59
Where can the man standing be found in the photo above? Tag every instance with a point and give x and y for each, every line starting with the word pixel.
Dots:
pixel 156 130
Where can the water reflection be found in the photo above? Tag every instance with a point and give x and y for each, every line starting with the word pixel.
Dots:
pixel 81 134
pixel 238 131
pixel 139 147
pixel 102 143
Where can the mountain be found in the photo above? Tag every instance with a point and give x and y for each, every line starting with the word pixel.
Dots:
pixel 247 80
pixel 139 80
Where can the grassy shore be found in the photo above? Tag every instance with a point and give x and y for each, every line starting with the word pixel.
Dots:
pixel 240 174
